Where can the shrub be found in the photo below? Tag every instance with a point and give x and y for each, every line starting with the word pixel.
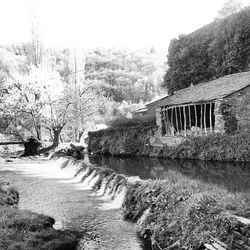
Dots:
pixel 179 213
pixel 133 122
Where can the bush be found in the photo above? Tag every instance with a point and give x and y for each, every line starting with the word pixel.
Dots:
pixel 126 140
pixel 213 147
pixel 25 230
pixel 179 213
pixel 134 122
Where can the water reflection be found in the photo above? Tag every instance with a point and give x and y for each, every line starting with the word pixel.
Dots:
pixel 232 176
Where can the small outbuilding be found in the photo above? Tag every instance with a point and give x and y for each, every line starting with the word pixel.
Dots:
pixel 221 106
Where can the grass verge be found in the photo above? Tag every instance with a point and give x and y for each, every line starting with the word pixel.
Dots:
pixel 179 213
pixel 25 230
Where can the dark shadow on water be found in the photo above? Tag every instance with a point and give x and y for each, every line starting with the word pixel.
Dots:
pixel 233 176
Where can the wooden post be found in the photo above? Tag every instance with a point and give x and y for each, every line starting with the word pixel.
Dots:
pixel 176 119
pixel 167 121
pixel 172 122
pixel 196 121
pixel 210 123
pixel 201 121
pixel 190 120
pixel 180 118
pixel 185 121
pixel 205 124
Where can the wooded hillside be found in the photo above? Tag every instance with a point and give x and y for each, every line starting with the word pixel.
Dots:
pixel 215 50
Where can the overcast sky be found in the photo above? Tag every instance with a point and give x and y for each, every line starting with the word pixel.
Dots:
pixel 105 23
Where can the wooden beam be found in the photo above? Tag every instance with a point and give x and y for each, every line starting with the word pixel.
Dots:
pixel 196 121
pixel 180 118
pixel 176 120
pixel 189 114
pixel 201 121
pixel 210 114
pixel 11 143
pixel 172 121
pixel 205 124
pixel 185 121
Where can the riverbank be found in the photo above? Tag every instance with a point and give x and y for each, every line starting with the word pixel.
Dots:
pixel 137 141
pixel 25 230
pixel 179 213
pixel 175 213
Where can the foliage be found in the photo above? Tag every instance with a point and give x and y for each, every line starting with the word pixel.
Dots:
pixel 25 230
pixel 130 137
pixel 45 91
pixel 217 49
pixel 180 213
pixel 133 122
pixel 131 78
pixel 125 137
pixel 230 7
pixel 213 147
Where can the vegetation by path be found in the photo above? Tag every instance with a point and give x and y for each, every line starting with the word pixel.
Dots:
pixel 134 137
pixel 25 230
pixel 179 213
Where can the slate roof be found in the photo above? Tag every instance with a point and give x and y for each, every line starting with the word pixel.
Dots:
pixel 209 91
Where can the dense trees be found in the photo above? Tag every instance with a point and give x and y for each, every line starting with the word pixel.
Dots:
pixel 127 76
pixel 64 90
pixel 217 49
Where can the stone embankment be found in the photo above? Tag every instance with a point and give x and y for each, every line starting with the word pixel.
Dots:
pixel 174 213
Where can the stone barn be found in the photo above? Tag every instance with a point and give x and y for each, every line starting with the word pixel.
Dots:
pixel 218 106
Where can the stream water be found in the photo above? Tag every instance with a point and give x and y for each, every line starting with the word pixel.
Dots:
pixel 63 193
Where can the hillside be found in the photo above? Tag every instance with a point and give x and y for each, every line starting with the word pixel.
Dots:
pixel 217 49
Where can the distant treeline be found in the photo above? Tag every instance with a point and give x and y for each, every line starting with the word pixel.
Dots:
pixel 217 49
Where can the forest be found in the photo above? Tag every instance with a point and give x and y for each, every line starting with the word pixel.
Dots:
pixel 217 49
pixel 46 91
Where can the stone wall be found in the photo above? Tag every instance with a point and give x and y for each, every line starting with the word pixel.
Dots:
pixel 219 119
pixel 235 109
pixel 159 121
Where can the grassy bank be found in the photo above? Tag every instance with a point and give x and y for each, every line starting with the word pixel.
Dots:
pixel 213 147
pixel 25 230
pixel 135 140
pixel 180 213
pixel 125 137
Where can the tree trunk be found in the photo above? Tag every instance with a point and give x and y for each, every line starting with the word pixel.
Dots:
pixel 57 130
pixel 80 133
pixel 38 132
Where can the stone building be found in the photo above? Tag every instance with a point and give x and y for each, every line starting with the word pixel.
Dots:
pixel 218 106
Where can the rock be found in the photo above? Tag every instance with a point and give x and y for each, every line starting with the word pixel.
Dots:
pixel 31 147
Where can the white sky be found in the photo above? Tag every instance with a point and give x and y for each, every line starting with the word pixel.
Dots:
pixel 105 23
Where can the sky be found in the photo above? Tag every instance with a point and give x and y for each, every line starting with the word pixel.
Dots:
pixel 106 23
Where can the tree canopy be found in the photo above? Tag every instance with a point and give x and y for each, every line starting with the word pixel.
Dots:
pixel 217 49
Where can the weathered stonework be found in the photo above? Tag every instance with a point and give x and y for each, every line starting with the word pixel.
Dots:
pixel 219 121
pixel 158 121
pixel 236 110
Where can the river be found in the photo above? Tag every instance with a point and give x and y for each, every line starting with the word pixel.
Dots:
pixel 46 188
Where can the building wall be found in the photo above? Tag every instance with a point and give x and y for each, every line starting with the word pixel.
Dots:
pixel 219 126
pixel 154 105
pixel 235 110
